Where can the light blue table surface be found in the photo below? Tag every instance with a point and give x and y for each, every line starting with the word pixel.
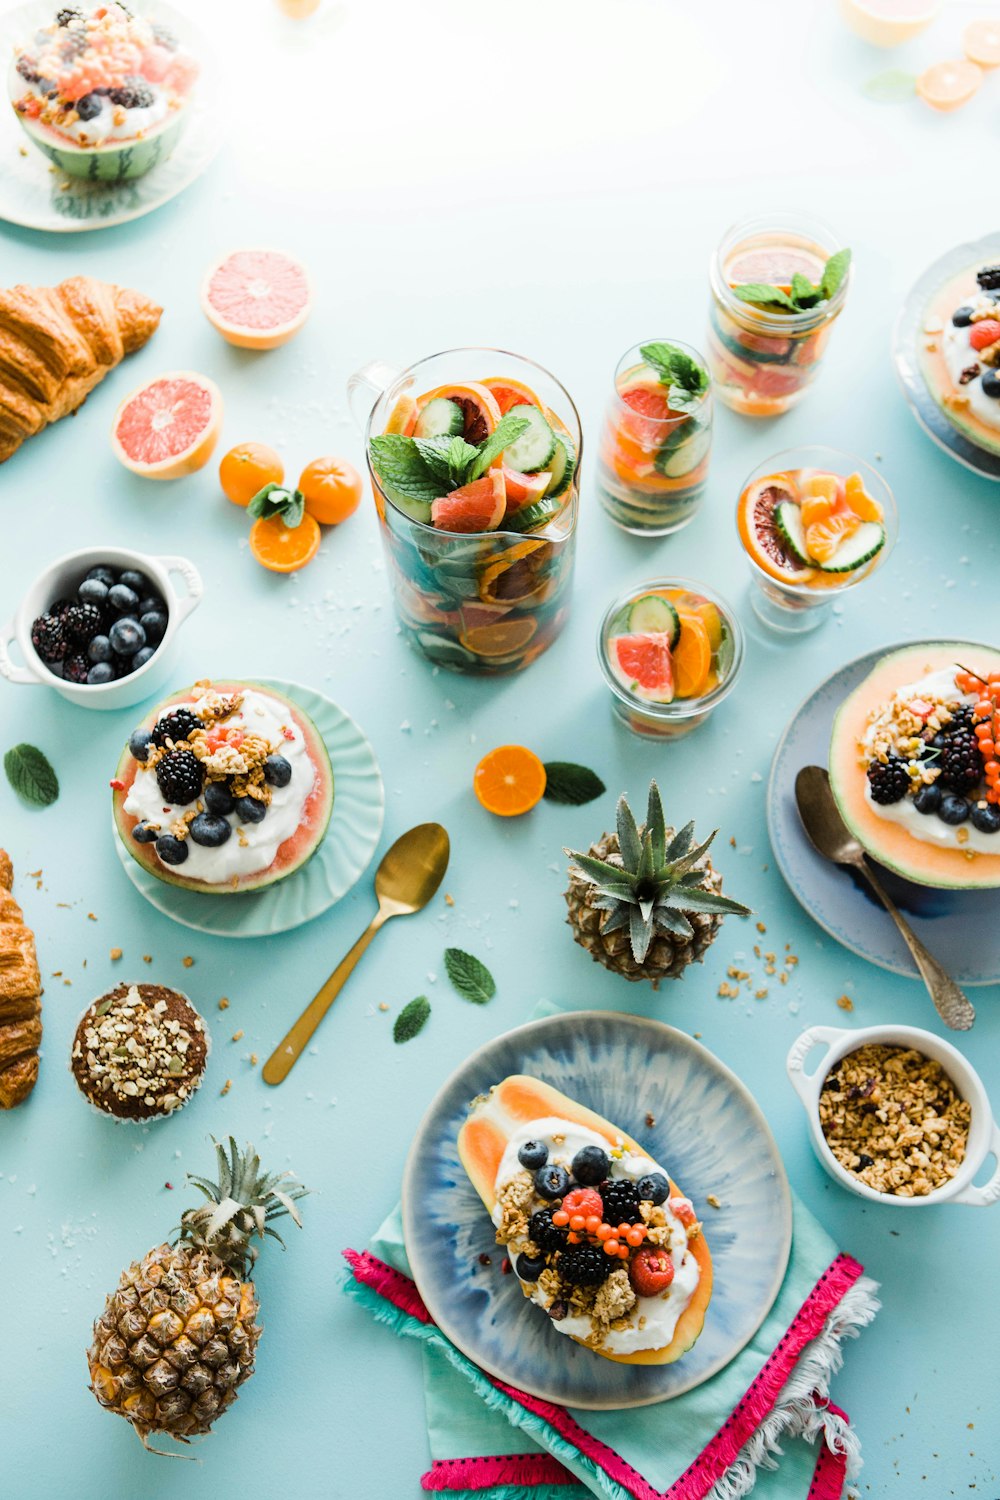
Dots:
pixel 447 194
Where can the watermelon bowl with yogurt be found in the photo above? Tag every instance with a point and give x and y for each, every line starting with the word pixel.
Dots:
pixel 191 783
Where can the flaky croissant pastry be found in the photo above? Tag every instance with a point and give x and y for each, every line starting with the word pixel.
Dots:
pixel 57 343
pixel 20 1006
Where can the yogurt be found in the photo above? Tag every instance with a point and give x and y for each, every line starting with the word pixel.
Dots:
pixel 958 356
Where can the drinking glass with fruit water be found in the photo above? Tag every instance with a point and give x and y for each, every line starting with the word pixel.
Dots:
pixel 474 459
pixel 778 283
pixel 653 460
pixel 814 522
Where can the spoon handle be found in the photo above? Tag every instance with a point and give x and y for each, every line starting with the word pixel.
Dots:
pixel 291 1047
pixel 952 1005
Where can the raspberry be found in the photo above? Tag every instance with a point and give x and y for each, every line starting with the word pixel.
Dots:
pixel 585 1201
pixel 651 1271
pixel 984 333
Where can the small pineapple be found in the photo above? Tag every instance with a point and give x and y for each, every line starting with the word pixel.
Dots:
pixel 642 901
pixel 179 1334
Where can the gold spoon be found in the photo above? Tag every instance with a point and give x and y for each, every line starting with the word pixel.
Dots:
pixel 831 837
pixel 405 881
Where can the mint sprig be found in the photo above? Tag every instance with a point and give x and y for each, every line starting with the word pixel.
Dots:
pixel 804 296
pixel 276 500
pixel 471 978
pixel 687 379
pixel 508 430
pixel 31 775
pixel 426 468
pixel 572 784
pixel 411 1019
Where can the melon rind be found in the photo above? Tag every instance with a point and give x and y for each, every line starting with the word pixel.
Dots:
pixel 117 161
pixel 291 855
pixel 890 843
pixel 481 1143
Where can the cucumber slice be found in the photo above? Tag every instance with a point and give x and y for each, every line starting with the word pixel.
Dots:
pixel 856 550
pixel 788 521
pixel 534 449
pixel 417 510
pixel 530 517
pixel 440 418
pixel 563 466
pixel 654 613
pixel 684 458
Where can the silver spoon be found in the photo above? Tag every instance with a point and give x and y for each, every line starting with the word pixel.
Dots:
pixel 831 838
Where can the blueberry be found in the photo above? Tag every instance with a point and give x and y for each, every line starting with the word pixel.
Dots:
pixel 172 851
pixel 218 799
pixel 591 1165
pixel 277 771
pixel 551 1182
pixel 953 810
pixel 928 799
pixel 94 590
pixel 249 810
pixel 149 602
pixel 101 671
pixel 144 833
pixel 991 383
pixel 123 665
pixel 962 316
pixel 104 575
pixel 142 656
pixel 529 1267
pixel 99 648
pixel 123 599
pixel 127 636
pixel 154 623
pixel 89 107
pixel 134 580
pixel 533 1154
pixel 986 817
pixel 138 743
pixel 209 831
pixel 653 1189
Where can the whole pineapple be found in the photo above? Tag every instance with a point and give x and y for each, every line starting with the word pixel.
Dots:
pixel 643 901
pixel 178 1335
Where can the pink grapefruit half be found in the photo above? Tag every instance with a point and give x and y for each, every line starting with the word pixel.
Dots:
pixel 257 299
pixel 643 664
pixel 169 426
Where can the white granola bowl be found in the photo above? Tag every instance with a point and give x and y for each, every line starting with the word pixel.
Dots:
pixel 984 1133
pixel 61 579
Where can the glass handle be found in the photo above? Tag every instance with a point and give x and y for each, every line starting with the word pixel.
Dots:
pixel 365 386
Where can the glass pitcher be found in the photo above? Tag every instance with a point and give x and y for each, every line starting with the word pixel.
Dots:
pixel 485 602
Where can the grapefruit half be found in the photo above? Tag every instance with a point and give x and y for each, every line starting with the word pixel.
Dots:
pixel 257 299
pixel 642 663
pixel 169 426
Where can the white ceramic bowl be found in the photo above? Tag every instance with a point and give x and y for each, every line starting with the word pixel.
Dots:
pixel 984 1133
pixel 60 580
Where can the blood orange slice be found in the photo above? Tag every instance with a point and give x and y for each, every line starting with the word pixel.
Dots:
pixel 508 393
pixel 480 411
pixel 257 299
pixel 642 663
pixel 759 532
pixel 169 426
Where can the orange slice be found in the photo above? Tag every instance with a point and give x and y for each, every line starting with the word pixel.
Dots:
pixel 949 85
pixel 824 537
pixel 500 639
pixel 858 498
pixel 981 43
pixel 281 548
pixel 509 781
pixel 692 658
pixel 403 417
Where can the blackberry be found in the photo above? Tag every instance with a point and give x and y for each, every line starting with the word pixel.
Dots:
pixel 76 668
pixel 26 69
pixel 76 43
pixel 545 1234
pixel 585 1265
pixel 176 726
pixel 889 780
pixel 60 607
pixel 83 621
pixel 49 638
pixel 134 93
pixel 180 777
pixel 961 718
pixel 621 1201
pixel 68 15
pixel 989 278
pixel 960 761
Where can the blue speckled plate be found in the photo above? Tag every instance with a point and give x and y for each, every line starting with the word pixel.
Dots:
pixel 959 927
pixel 709 1134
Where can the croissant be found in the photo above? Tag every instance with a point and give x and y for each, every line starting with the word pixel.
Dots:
pixel 20 988
pixel 57 343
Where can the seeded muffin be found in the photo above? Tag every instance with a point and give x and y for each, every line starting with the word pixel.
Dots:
pixel 139 1052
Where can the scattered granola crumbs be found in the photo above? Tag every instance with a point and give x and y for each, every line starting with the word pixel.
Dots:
pixel 56 974
pixel 91 916
pixel 713 1201
pixel 382 1005
pixel 845 1002
pixel 791 960
pixel 253 1059
pixel 760 994
pixel 761 927
pixel 187 961
pixel 783 977
pixel 147 958
pixel 756 950
pixel 116 954
pixel 696 1035
pixel 237 1036
pixel 65 905
pixel 732 841
pixel 34 874
pixel 728 991
pixel 735 973
pixel 484 1259
pixel 650 1120
pixel 223 1003
pixel 226 1087
pixel 169 1186
pixel 67 981
pixel 448 900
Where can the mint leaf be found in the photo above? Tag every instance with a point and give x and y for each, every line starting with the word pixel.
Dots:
pixel 571 784
pixel 891 86
pixel 762 295
pixel 397 461
pixel 687 379
pixel 411 1019
pixel 833 273
pixel 460 458
pixel 434 452
pixel 276 500
pixel 804 294
pixel 508 429
pixel 31 776
pixel 472 979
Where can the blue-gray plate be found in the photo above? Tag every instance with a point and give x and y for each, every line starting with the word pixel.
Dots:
pixel 959 927
pixel 708 1133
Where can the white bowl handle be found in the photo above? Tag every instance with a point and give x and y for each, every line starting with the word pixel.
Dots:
pixel 802 1083
pixel 191 576
pixel 7 667
pixel 982 1197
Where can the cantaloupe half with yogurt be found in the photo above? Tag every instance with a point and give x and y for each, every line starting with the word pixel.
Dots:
pixel 944 867
pixel 934 367
pixel 517 1101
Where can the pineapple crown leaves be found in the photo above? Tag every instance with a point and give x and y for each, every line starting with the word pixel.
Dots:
pixel 241 1204
pixel 657 881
